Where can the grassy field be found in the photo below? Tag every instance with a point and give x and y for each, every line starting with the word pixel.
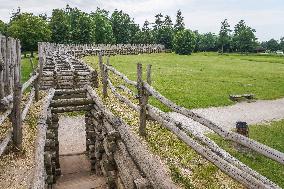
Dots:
pixel 269 134
pixel 26 68
pixel 206 79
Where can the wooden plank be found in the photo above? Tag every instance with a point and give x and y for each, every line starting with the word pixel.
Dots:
pixel 5 142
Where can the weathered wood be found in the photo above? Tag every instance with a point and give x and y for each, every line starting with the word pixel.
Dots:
pixel 234 172
pixel 4 143
pixel 71 102
pixel 29 82
pixel 105 82
pixel 28 104
pixel 143 100
pixel 4 116
pixel 39 174
pixel 151 167
pixel 17 118
pixel 69 91
pixel 252 144
pixel 71 109
pixel 6 102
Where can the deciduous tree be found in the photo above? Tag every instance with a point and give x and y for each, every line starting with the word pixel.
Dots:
pixel 184 42
pixel 244 39
pixel 30 29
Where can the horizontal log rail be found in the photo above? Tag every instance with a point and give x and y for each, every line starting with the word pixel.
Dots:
pixel 29 82
pixel 252 144
pixel 205 142
pixel 38 180
pixel 122 76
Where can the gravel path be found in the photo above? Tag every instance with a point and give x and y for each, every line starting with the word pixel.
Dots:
pixel 71 134
pixel 260 111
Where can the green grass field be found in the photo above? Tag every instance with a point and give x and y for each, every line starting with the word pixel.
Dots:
pixel 207 79
pixel 26 68
pixel 268 134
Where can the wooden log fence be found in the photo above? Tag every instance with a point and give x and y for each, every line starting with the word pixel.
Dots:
pixel 11 91
pixel 211 150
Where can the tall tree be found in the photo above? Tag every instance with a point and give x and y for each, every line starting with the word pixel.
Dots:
pixel 122 27
pixel 158 21
pixel 163 31
pixel 224 35
pixel 272 45
pixel 103 27
pixel 147 34
pixel 281 44
pixel 30 29
pixel 179 22
pixel 71 25
pixel 60 26
pixel 244 39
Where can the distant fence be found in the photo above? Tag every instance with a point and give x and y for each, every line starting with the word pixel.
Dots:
pixel 11 90
pixel 105 49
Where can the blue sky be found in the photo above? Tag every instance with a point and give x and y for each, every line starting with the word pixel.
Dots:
pixel 266 16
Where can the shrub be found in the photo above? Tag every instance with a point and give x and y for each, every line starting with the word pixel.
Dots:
pixel 184 42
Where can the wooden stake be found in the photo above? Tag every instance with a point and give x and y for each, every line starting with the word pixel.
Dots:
pixel 143 99
pixel 17 118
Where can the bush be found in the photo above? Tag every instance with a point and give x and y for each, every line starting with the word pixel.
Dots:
pixel 184 42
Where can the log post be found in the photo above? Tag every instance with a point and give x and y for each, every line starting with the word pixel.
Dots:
pixel 40 60
pixel 143 100
pixel 16 117
pixel 36 81
pixel 105 78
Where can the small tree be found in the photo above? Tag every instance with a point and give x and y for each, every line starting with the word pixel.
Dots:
pixel 184 42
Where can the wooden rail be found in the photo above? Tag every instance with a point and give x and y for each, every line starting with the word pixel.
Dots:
pixel 207 148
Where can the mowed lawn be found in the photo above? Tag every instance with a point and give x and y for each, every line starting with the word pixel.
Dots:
pixel 207 79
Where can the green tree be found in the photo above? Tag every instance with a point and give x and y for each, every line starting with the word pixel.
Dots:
pixel 224 36
pixel 272 45
pixel 146 34
pixel 103 28
pixel 163 31
pixel 184 42
pixel 122 26
pixel 60 26
pixel 244 39
pixel 30 29
pixel 2 27
pixel 281 44
pixel 208 42
pixel 71 25
pixel 179 22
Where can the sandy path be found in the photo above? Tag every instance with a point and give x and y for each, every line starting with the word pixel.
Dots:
pixel 256 112
pixel 71 134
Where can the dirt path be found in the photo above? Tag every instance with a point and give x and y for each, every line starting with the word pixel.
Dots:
pixel 253 113
pixel 75 166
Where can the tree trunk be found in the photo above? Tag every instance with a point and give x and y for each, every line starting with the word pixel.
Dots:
pixel 32 54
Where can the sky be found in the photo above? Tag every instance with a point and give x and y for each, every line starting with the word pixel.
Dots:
pixel 265 16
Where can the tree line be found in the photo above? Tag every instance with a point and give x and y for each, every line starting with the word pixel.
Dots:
pixel 71 25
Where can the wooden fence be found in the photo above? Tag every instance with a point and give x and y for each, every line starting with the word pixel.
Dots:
pixel 199 142
pixel 11 91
